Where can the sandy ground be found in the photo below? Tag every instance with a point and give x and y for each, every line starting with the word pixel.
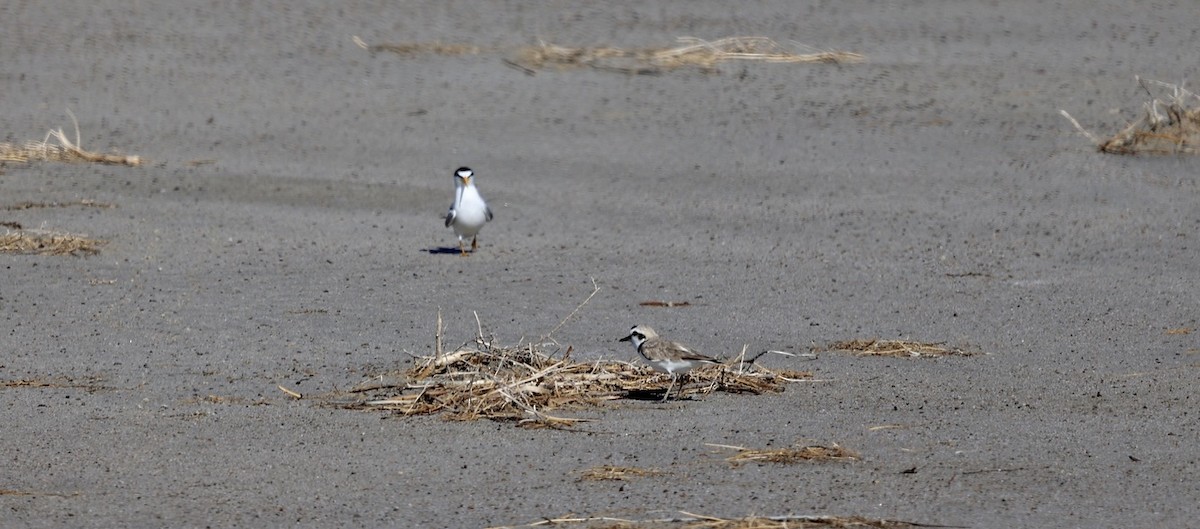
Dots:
pixel 286 232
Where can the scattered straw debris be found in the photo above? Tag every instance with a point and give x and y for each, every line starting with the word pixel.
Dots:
pixel 692 52
pixel 788 455
pixel 41 243
pixel 291 393
pixel 90 384
pixel 688 520
pixel 896 348
pixel 616 473
pixel 1170 124
pixel 1180 330
pixel 63 151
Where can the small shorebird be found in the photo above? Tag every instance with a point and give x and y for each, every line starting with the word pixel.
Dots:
pixel 665 356
pixel 469 212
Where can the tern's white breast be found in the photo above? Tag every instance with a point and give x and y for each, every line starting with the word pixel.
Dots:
pixel 471 213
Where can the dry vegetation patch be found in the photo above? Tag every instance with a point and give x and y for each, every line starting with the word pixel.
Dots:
pixel 525 384
pixel 897 348
pixel 58 148
pixel 1170 124
pixel 787 455
pixel 44 243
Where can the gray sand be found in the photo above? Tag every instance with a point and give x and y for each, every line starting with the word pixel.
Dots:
pixel 931 194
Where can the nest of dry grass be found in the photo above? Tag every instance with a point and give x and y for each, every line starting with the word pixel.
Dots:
pixel 692 52
pixel 48 243
pixel 897 348
pixel 528 386
pixel 1170 124
pixel 56 147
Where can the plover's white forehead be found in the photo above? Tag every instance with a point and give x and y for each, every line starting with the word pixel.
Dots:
pixel 642 331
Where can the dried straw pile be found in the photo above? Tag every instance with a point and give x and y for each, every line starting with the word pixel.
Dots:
pixel 26 242
pixel 524 384
pixel 61 150
pixel 1170 124
pixel 64 150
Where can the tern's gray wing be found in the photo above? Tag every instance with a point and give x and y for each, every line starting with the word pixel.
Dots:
pixel 450 216
pixel 488 211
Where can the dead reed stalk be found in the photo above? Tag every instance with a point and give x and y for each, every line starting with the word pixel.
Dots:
pixel 64 150
pixel 1170 124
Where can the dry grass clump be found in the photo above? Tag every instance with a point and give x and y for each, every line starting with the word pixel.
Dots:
pixel 1170 124
pixel 692 52
pixel 688 520
pixel 40 243
pixel 616 473
pixel 524 384
pixel 896 348
pixel 61 149
pixel 788 455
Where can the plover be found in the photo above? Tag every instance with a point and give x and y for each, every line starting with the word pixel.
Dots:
pixel 665 356
pixel 469 212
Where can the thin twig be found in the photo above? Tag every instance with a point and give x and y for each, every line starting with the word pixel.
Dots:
pixel 595 289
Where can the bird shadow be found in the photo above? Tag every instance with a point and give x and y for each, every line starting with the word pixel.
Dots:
pixel 653 395
pixel 442 250
pixel 648 395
